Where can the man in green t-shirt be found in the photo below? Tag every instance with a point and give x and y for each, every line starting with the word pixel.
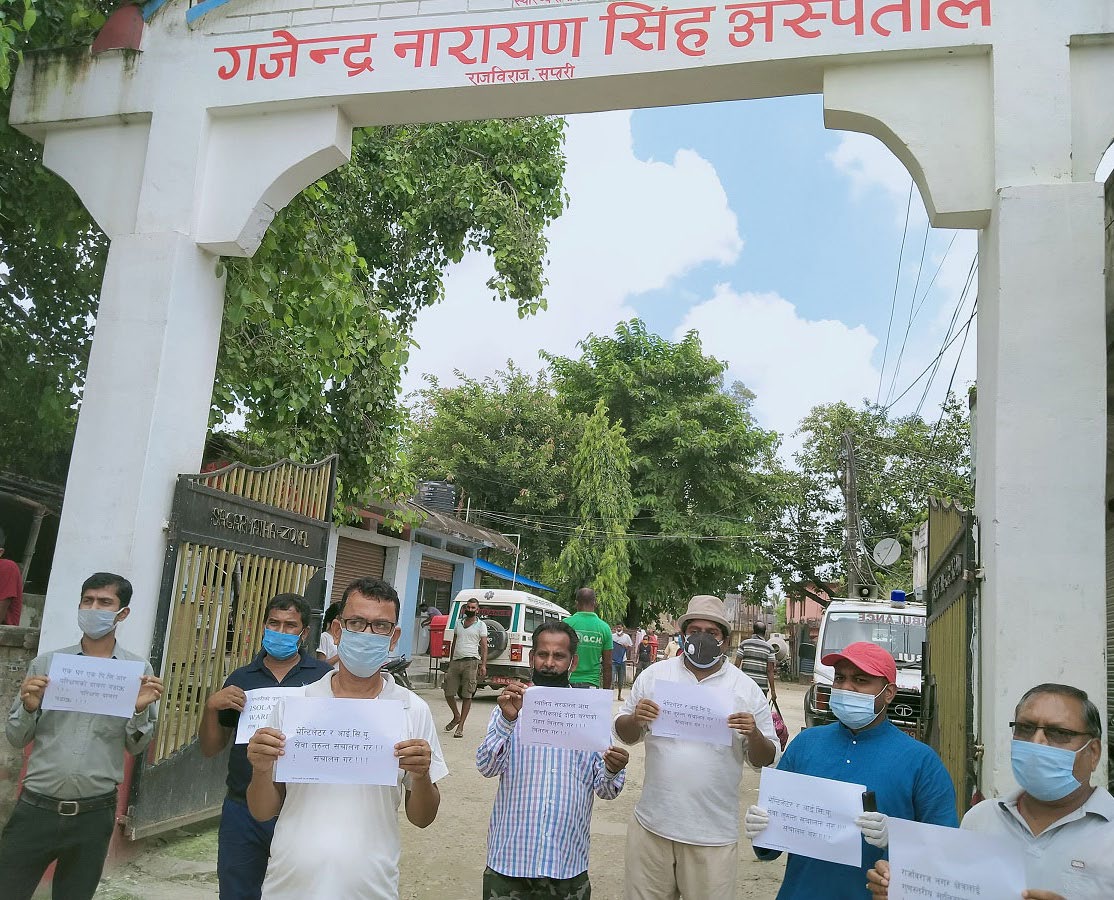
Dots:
pixel 594 650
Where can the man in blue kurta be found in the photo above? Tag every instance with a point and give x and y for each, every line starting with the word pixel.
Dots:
pixel 863 747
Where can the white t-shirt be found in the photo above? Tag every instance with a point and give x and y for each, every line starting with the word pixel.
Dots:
pixel 327 646
pixel 342 840
pixel 690 792
pixel 1073 857
pixel 621 637
pixel 466 640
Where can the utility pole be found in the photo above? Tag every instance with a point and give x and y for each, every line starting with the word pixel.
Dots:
pixel 851 522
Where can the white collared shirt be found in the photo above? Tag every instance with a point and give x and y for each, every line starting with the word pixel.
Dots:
pixel 1073 857
pixel 690 793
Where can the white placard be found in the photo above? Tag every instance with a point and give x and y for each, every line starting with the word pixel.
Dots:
pixel 340 741
pixel 811 816
pixel 692 713
pixel 950 864
pixel 257 709
pixel 91 684
pixel 574 718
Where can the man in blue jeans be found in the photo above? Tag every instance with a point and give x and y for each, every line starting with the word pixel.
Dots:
pixel 243 844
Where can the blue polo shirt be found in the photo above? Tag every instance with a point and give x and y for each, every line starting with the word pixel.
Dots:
pixel 908 780
pixel 248 678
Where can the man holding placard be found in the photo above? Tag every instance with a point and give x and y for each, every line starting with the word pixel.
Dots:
pixel 1061 825
pixel 863 747
pixel 702 719
pixel 538 841
pixel 339 837
pixel 82 708
pixel 244 844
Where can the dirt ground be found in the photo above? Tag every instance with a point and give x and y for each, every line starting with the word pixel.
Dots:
pixel 445 861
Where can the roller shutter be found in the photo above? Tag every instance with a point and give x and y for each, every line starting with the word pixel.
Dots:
pixel 356 559
pixel 437 570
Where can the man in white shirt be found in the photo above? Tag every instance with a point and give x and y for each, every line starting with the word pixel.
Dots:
pixel 1064 825
pixel 467 663
pixel 311 855
pixel 621 645
pixel 684 837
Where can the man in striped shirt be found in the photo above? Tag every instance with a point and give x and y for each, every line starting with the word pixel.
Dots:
pixel 537 846
pixel 755 657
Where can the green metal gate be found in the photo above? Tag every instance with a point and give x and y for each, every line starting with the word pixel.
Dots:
pixel 951 652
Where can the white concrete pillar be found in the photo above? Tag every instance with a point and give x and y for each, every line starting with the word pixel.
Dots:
pixel 1041 434
pixel 143 421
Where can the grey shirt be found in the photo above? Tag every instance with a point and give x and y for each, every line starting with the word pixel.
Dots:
pixel 1073 857
pixel 77 755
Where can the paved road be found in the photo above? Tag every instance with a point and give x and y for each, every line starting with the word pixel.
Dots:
pixel 444 861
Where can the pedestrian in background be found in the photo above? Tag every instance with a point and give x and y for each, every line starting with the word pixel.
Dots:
pixel 243 843
pixel 11 586
pixel 645 653
pixel 467 664
pixel 756 657
pixel 595 644
pixel 330 634
pixel 66 812
pixel 620 647
pixel 538 839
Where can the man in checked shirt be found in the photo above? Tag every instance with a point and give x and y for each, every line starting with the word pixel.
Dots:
pixel 538 839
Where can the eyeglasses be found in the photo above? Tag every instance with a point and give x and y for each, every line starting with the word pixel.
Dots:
pixel 357 624
pixel 1026 731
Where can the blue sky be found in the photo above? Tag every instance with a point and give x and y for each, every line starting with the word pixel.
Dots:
pixel 776 239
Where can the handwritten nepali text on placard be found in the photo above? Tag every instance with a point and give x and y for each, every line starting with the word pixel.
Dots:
pixel 627 26
pixel 811 816
pixel 340 741
pixel 578 719
pixel 89 684
pixel 950 864
pixel 691 712
pixel 258 708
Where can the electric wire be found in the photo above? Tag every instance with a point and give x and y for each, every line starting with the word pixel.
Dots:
pixel 971 273
pixel 897 284
pixel 909 321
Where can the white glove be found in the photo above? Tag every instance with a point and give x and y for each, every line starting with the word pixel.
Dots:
pixel 873 827
pixel 755 822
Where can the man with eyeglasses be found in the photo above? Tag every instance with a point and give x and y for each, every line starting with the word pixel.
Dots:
pixel 862 747
pixel 243 844
pixel 342 840
pixel 1064 824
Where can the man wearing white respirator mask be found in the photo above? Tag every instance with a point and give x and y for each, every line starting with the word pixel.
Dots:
pixel 353 827
pixel 863 747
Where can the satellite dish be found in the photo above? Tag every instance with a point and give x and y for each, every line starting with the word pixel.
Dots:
pixel 887 552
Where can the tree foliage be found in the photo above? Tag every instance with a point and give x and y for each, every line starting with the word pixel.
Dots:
pixel 596 553
pixel 318 324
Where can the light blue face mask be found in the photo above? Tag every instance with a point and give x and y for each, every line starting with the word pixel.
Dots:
pixel 1044 772
pixel 363 653
pixel 280 645
pixel 853 709
pixel 96 623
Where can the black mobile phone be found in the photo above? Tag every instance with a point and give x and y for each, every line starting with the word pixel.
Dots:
pixel 870 804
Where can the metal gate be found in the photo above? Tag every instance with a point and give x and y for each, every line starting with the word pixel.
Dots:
pixel 951 651
pixel 237 537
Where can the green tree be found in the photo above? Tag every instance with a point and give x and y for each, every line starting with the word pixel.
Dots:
pixel 318 324
pixel 507 443
pixel 700 466
pixel 899 463
pixel 597 552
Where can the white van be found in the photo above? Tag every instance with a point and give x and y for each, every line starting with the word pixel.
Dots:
pixel 511 617
pixel 898 628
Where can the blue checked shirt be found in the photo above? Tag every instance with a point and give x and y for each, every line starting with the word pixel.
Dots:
pixel 543 808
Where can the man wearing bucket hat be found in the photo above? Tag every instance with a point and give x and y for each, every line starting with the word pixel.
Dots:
pixel 684 835
pixel 863 747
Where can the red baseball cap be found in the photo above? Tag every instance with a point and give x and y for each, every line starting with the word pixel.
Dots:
pixel 871 658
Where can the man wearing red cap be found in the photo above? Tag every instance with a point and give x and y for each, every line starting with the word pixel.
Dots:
pixel 863 747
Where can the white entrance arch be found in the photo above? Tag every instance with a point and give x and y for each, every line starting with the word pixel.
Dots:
pixel 184 146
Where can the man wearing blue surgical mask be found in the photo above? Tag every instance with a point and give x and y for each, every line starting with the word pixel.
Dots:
pixel 243 844
pixel 66 813
pixel 863 747
pixel 1063 823
pixel 361 854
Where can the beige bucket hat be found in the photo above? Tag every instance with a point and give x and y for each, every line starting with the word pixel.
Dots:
pixel 705 606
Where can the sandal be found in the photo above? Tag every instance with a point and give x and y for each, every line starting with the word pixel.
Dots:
pixel 459 733
pixel 451 725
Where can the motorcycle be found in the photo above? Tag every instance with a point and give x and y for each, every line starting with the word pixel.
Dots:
pixel 396 668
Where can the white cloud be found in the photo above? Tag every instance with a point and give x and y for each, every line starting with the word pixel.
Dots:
pixel 632 226
pixel 791 363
